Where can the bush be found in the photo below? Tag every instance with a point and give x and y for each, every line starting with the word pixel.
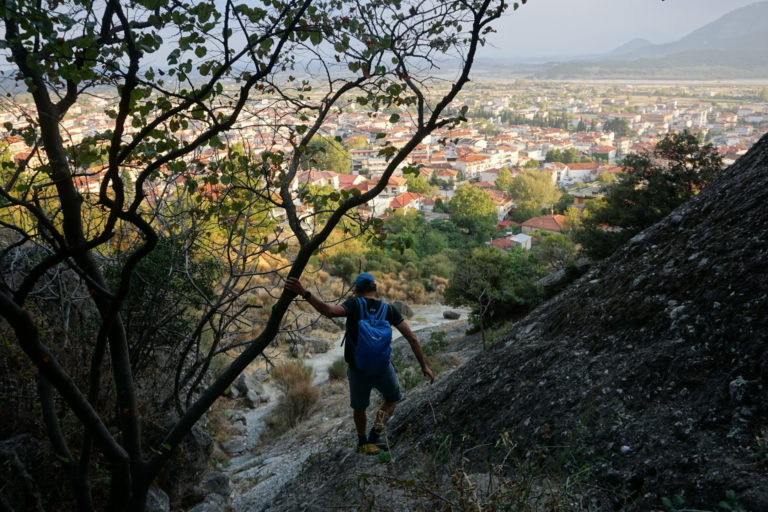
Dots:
pixel 346 265
pixel 296 403
pixel 291 375
pixel 440 264
pixel 294 379
pixel 338 370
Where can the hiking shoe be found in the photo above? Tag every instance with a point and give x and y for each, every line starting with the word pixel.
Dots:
pixel 368 449
pixel 374 437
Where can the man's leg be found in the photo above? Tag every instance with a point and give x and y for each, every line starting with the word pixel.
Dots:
pixel 383 414
pixel 390 389
pixel 360 422
pixel 359 394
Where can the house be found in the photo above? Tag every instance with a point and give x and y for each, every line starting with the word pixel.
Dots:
pixel 489 175
pixel 502 201
pixel 427 204
pixel 583 194
pixel 318 178
pixel 350 181
pixel 522 240
pixel 552 223
pixel 446 177
pixel 506 243
pixel 395 186
pixel 473 164
pixel 579 172
pixel 407 200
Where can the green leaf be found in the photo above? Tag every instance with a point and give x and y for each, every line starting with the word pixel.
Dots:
pixel 191 184
pixel 315 37
pixel 394 118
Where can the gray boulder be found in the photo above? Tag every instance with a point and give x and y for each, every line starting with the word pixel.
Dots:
pixel 318 345
pixel 216 482
pixel 451 315
pixel 403 308
pixel 157 501
pixel 235 446
pixel 556 282
pixel 212 503
pixel 248 385
pixel 254 399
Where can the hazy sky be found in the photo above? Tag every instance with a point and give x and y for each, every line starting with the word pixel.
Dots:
pixel 576 27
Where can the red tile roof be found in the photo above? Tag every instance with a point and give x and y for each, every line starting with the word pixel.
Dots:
pixel 546 222
pixel 403 200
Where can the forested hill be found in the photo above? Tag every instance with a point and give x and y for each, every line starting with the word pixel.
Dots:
pixel 640 387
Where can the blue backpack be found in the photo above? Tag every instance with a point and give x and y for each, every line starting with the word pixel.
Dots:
pixel 374 336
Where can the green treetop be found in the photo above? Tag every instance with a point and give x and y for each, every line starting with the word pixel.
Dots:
pixel 473 209
pixel 536 188
pixel 326 154
pixel 651 186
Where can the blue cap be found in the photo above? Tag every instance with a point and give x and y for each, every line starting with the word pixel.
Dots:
pixel 364 281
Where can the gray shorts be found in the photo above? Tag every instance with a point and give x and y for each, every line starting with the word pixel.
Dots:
pixel 361 384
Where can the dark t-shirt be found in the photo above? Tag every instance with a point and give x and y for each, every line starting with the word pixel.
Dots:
pixel 353 316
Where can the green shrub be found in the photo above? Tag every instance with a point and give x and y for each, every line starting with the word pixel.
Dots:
pixel 436 343
pixel 337 370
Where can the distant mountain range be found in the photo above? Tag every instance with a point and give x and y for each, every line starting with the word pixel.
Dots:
pixel 734 46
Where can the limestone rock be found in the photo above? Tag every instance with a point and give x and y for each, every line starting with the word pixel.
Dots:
pixel 235 446
pixel 403 308
pixel 212 503
pixel 249 386
pixel 318 345
pixel 451 315
pixel 157 501
pixel 216 482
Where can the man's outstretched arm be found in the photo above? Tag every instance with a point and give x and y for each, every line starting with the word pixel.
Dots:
pixel 293 285
pixel 413 341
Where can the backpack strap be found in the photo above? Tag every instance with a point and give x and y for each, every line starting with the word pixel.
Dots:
pixel 381 314
pixel 363 307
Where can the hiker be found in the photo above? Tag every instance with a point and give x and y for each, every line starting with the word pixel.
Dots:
pixel 361 382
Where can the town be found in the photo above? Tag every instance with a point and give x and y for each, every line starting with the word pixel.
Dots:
pixel 574 133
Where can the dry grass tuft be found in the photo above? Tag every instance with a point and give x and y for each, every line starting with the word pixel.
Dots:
pixel 290 375
pixel 298 398
pixel 297 403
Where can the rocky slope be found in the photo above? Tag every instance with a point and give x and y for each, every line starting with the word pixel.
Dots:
pixel 644 381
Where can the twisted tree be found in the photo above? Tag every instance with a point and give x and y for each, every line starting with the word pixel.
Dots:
pixel 156 227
